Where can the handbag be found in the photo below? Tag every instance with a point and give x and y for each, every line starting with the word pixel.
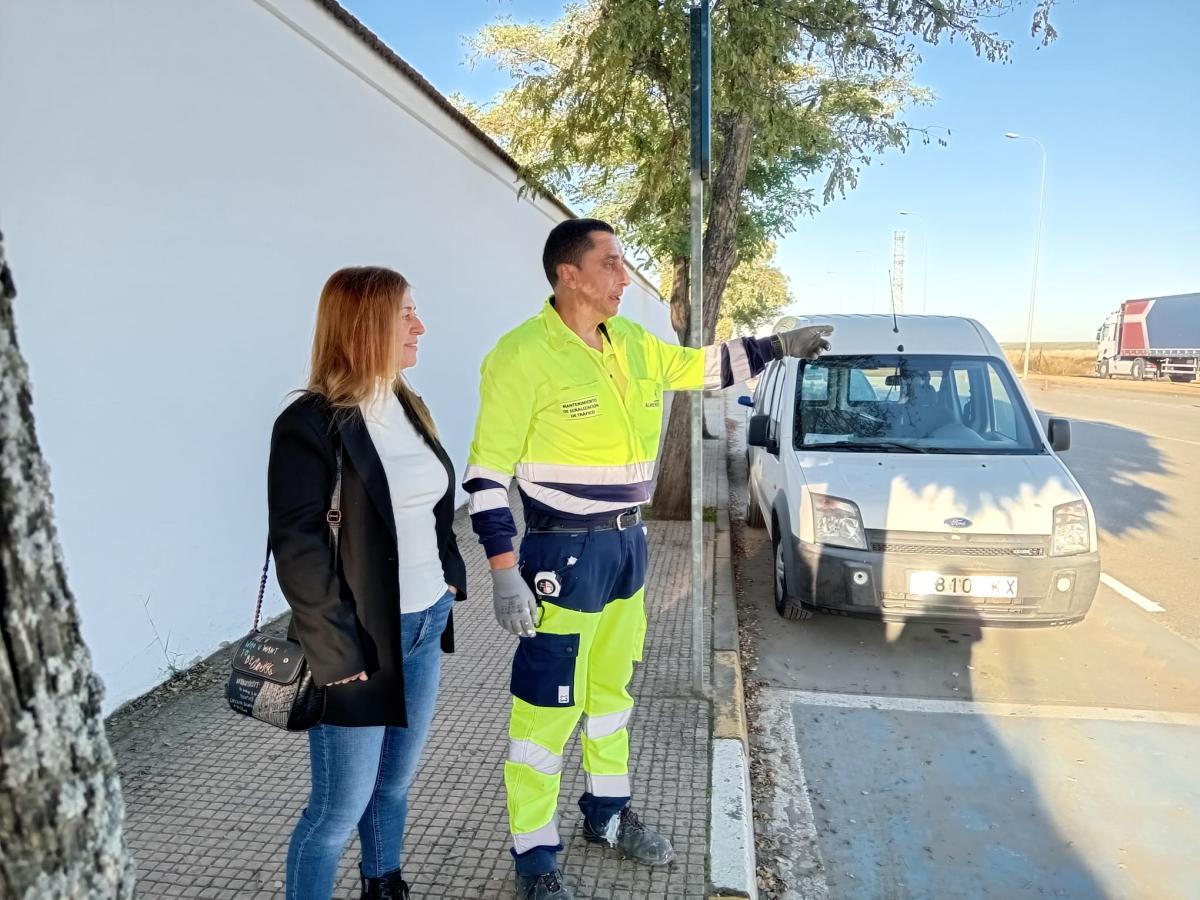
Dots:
pixel 271 680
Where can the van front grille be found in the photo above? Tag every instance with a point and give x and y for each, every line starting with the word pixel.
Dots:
pixel 976 546
pixel 959 550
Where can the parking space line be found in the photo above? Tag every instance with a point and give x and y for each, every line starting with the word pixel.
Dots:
pixel 1130 594
pixel 994 708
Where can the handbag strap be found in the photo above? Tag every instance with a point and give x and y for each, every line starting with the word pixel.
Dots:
pixel 333 518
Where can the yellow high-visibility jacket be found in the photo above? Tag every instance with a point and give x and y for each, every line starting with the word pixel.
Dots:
pixel 580 429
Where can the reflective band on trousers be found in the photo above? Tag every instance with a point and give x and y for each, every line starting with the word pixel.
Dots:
pixel 546 836
pixel 537 757
pixel 602 726
pixel 607 785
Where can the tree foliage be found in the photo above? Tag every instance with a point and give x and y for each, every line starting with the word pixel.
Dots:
pixel 805 93
pixel 598 111
pixel 756 294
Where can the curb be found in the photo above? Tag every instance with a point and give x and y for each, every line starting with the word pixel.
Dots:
pixel 732 864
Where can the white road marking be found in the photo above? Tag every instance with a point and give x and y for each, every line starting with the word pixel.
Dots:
pixel 790 821
pixel 1130 594
pixel 995 709
pixel 1165 437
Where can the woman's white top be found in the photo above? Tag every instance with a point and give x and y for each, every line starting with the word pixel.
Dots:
pixel 416 480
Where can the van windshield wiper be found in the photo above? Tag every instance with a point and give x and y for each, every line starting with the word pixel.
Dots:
pixel 866 446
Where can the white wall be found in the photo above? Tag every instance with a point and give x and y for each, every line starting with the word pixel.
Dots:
pixel 177 180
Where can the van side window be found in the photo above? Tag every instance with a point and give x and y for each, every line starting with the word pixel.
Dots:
pixel 774 408
pixel 1002 408
pixel 762 394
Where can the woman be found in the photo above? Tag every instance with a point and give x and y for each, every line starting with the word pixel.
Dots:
pixel 374 621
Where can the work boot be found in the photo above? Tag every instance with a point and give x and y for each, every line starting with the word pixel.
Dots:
pixel 549 886
pixel 386 887
pixel 633 838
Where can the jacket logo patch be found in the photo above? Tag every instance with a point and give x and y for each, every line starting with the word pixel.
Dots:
pixel 583 408
pixel 653 404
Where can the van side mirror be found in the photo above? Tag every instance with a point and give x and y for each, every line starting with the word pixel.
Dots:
pixel 745 400
pixel 756 434
pixel 1059 433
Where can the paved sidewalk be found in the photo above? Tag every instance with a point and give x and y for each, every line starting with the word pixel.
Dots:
pixel 212 797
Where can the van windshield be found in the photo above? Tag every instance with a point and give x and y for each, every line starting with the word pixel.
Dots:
pixel 912 404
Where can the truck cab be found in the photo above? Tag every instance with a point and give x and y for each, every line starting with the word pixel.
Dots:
pixel 1109 359
pixel 1155 337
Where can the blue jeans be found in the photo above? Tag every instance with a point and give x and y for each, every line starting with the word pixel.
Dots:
pixel 361 776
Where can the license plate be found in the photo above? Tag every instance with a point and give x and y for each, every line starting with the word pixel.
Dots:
pixel 940 584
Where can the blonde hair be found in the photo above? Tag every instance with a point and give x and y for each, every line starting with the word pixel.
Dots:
pixel 353 341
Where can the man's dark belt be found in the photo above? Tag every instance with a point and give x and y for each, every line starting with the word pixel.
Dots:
pixel 618 522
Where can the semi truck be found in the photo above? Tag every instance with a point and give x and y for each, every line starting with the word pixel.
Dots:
pixel 1157 337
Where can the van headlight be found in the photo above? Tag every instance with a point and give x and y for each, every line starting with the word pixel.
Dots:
pixel 837 522
pixel 1072 533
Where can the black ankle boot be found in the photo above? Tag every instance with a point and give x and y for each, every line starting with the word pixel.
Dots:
pixel 386 887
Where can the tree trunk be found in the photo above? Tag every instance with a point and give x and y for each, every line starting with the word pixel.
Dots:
pixel 672 494
pixel 60 798
pixel 724 208
pixel 681 318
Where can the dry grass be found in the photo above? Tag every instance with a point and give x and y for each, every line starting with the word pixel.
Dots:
pixel 1055 359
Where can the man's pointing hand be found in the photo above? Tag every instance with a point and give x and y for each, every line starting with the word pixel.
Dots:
pixel 805 343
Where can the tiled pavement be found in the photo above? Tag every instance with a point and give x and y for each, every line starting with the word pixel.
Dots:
pixel 212 797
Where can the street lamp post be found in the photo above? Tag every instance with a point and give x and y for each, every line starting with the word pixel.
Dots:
pixel 924 258
pixel 1037 246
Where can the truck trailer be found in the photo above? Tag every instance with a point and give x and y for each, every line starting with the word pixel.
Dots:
pixel 1157 337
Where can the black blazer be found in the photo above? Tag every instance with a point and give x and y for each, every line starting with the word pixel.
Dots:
pixel 348 619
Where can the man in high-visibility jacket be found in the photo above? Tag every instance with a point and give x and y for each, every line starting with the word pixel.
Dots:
pixel 571 405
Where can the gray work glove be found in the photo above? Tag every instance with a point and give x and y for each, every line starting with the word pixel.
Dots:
pixel 805 343
pixel 514 603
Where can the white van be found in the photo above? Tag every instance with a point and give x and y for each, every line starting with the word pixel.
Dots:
pixel 905 474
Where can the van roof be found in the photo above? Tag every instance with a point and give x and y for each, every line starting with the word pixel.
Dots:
pixel 855 335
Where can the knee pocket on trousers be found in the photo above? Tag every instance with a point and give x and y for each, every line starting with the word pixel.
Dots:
pixel 543 672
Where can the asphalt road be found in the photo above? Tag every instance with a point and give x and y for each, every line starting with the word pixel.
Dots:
pixel 921 761
pixel 1136 451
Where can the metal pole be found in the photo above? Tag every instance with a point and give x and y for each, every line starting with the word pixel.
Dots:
pixel 1037 251
pixel 700 160
pixel 697 340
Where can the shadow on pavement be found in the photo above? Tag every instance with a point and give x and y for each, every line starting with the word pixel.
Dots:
pixel 912 801
pixel 912 797
pixel 1109 462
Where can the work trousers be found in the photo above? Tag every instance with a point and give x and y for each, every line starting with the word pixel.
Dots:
pixel 591 630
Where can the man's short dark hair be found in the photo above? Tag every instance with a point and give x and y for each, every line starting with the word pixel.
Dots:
pixel 567 243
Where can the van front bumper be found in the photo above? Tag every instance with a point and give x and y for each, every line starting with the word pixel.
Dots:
pixel 1050 589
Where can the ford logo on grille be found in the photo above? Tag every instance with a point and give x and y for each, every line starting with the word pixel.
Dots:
pixel 959 523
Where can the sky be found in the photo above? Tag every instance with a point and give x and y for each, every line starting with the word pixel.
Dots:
pixel 1114 101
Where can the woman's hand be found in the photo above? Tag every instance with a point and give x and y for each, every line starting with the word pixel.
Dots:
pixel 361 676
pixel 453 590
